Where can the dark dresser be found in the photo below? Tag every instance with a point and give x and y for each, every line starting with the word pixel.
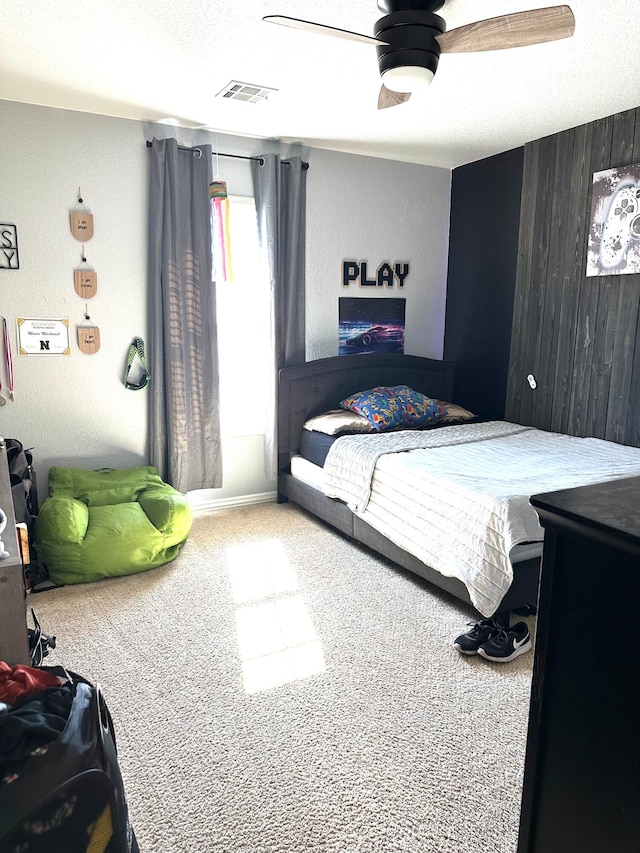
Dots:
pixel 581 791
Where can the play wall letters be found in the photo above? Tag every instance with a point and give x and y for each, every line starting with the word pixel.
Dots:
pixel 385 275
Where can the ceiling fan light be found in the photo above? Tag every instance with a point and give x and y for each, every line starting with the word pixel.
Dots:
pixel 407 78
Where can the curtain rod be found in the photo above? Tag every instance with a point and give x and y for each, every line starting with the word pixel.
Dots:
pixel 235 156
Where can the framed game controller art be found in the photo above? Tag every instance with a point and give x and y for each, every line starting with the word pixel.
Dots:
pixel 614 231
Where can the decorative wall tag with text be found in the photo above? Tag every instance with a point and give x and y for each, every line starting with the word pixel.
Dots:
pixel 85 283
pixel 89 339
pixel 81 225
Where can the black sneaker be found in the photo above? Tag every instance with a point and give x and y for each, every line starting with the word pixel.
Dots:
pixel 506 644
pixel 480 632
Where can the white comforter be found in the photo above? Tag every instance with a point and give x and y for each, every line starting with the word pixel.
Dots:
pixel 458 499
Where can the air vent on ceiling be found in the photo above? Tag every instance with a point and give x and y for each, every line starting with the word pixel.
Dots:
pixel 252 94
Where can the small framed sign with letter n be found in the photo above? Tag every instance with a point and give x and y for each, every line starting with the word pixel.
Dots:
pixel 39 336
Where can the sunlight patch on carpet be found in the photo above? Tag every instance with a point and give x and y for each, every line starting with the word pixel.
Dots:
pixel 277 641
pixel 259 570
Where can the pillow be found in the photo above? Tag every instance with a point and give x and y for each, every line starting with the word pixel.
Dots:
pixel 379 405
pixel 337 421
pixel 419 410
pixel 395 407
pixel 455 413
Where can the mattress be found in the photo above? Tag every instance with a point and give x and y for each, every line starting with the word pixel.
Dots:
pixel 305 471
pixel 314 446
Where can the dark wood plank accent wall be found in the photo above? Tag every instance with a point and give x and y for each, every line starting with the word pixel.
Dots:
pixel 578 336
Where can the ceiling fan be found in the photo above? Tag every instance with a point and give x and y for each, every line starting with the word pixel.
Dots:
pixel 410 38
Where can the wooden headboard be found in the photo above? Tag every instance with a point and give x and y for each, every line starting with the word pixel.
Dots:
pixel 317 386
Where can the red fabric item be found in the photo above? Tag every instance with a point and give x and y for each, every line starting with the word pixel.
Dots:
pixel 19 681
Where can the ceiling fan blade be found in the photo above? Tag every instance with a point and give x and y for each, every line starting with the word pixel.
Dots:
pixel 517 30
pixel 309 26
pixel 387 98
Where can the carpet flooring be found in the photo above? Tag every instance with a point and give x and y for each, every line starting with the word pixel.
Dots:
pixel 277 689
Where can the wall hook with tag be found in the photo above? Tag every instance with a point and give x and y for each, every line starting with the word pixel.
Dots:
pixel 81 222
pixel 88 336
pixel 85 281
pixel 88 339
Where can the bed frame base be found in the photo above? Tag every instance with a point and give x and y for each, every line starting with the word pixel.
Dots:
pixel 523 591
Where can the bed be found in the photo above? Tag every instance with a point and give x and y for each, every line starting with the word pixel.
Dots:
pixel 409 495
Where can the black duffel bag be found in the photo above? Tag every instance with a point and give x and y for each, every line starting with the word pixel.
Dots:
pixel 68 794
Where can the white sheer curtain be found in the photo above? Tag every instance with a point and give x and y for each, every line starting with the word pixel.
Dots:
pixel 280 194
pixel 183 356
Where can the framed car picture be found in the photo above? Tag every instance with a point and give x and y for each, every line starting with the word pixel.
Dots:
pixel 370 325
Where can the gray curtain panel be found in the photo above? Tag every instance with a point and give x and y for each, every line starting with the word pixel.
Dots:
pixel 280 188
pixel 183 350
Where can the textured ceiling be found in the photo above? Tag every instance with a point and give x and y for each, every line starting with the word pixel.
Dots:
pixel 159 59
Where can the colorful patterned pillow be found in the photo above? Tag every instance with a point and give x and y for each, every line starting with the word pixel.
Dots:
pixel 395 407
pixel 379 405
pixel 419 410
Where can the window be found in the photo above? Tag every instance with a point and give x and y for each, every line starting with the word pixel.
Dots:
pixel 244 328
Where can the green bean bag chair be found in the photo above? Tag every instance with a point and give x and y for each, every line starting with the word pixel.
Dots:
pixel 98 524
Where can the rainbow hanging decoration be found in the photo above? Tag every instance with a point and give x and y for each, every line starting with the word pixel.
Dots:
pixel 221 240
